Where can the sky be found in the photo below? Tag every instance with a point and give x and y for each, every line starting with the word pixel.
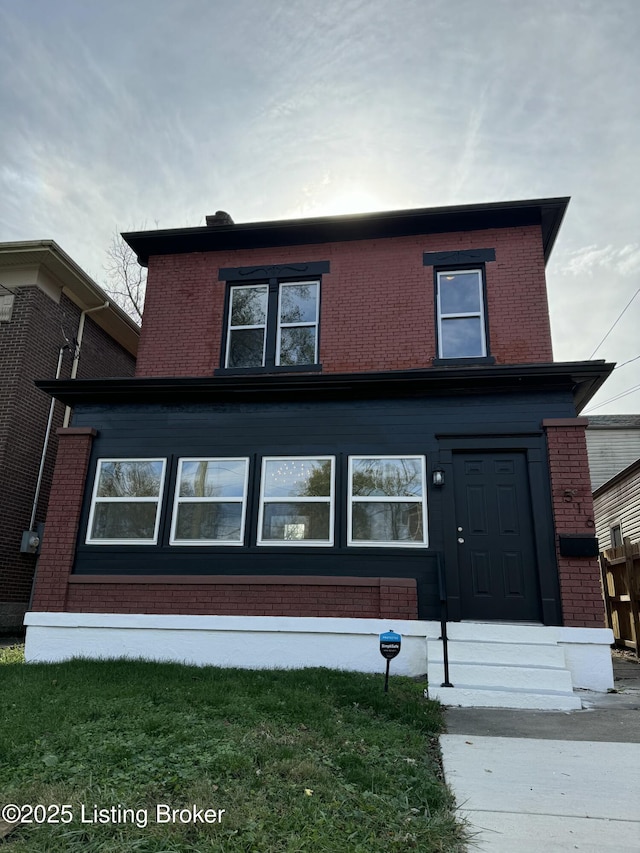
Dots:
pixel 120 115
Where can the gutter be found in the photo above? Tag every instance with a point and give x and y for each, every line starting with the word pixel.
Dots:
pixel 76 353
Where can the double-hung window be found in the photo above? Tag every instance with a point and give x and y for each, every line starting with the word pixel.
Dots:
pixel 125 506
pixel 296 501
pixel 273 316
pixel 387 501
pixel 210 502
pixel 461 315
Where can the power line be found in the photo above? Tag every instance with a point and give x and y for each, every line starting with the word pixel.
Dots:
pixel 618 366
pixel 612 399
pixel 615 324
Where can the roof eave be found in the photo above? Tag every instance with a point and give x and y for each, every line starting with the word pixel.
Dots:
pixel 76 284
pixel 548 213
pixel 581 379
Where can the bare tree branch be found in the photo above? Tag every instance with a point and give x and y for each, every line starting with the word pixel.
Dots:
pixel 127 279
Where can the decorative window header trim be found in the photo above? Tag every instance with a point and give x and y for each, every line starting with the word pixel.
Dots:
pixel 256 273
pixel 459 256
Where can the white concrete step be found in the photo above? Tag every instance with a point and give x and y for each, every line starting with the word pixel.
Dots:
pixel 497 632
pixel 468 697
pixel 507 654
pixel 501 666
pixel 496 676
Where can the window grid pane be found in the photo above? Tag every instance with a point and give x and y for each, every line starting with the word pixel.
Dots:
pixel 125 506
pixel 246 336
pixel 296 501
pixel 461 330
pixel 210 502
pixel 386 501
pixel 297 323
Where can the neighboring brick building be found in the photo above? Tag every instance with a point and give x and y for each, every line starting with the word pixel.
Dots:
pixel 47 305
pixel 335 423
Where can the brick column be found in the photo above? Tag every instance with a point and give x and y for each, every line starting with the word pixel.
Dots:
pixel 580 588
pixel 63 517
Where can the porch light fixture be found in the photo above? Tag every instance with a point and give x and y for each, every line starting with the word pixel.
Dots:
pixel 437 477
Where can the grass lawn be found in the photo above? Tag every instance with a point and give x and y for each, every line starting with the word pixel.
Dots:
pixel 300 760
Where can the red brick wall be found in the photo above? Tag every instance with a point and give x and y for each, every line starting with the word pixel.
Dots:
pixel 56 560
pixel 580 588
pixel 377 309
pixel 387 598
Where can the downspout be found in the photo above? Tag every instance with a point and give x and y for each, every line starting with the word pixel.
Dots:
pixel 76 354
pixel 46 443
pixel 31 539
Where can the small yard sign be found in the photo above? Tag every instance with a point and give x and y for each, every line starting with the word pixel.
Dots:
pixel 390 643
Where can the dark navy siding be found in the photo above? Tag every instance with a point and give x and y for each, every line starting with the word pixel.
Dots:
pixel 397 426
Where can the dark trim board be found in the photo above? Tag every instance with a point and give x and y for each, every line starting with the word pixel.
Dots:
pixel 279 271
pixel 458 256
pixel 547 213
pixel 583 379
pixel 434 427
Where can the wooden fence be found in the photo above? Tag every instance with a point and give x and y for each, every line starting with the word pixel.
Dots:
pixel 620 569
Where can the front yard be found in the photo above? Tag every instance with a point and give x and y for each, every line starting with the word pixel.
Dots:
pixel 165 758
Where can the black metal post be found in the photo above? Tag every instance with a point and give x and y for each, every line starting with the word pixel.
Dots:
pixel 386 678
pixel 443 621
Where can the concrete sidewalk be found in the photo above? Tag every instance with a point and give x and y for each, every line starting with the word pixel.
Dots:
pixel 546 781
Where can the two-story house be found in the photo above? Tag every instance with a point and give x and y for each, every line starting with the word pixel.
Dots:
pixel 337 425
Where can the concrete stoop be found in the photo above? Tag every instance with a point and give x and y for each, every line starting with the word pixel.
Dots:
pixel 501 666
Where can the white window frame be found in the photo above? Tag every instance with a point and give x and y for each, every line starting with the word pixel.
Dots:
pixel 158 500
pixel 6 306
pixel 307 323
pixel 462 315
pixel 616 524
pixel 177 500
pixel 264 326
pixel 305 543
pixel 352 499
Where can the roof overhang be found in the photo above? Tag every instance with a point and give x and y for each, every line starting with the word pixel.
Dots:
pixel 548 213
pixel 618 478
pixel 580 379
pixel 24 262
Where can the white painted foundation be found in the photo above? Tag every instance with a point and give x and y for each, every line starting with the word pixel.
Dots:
pixel 267 642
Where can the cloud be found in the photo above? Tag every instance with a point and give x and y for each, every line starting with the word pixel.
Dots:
pixel 589 259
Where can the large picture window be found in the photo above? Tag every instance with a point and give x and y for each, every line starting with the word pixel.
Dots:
pixel 210 502
pixel 296 501
pixel 387 501
pixel 273 324
pixel 461 321
pixel 125 506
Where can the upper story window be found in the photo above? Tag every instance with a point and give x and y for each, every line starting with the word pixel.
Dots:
pixel 6 306
pixel 461 316
pixel 125 506
pixel 258 337
pixel 461 325
pixel 273 319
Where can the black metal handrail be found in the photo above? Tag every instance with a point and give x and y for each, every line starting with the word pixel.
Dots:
pixel 443 620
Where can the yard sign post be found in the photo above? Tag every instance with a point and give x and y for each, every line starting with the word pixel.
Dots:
pixel 389 647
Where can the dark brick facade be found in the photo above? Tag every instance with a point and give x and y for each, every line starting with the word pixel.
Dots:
pixel 184 309
pixel 29 348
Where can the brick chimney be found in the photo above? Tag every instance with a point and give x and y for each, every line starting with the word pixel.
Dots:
pixel 220 217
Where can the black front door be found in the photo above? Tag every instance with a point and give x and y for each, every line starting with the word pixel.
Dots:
pixel 494 532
